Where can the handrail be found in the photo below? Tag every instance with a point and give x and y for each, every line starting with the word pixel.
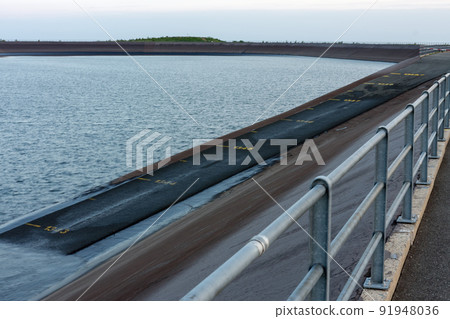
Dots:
pixel 435 104
pixel 215 282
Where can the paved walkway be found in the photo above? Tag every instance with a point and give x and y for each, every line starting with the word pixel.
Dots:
pixel 426 275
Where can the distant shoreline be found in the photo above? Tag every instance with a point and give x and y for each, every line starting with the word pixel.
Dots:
pixel 368 52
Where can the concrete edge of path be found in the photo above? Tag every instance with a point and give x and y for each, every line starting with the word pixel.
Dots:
pixel 403 235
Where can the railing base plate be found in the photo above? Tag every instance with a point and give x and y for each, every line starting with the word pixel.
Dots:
pixel 427 183
pixel 407 221
pixel 369 285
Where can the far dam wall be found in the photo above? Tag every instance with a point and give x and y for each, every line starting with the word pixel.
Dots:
pixel 370 52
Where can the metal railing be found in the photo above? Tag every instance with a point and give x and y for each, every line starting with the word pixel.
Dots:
pixel 430 49
pixel 434 104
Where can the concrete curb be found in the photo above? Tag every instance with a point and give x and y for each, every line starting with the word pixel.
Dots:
pixel 403 235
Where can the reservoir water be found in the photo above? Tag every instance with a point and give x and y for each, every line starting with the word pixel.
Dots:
pixel 64 121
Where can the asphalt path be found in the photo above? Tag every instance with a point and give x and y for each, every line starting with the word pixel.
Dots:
pixel 74 227
pixel 425 275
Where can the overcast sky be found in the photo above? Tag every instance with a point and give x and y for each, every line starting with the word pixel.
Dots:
pixel 250 20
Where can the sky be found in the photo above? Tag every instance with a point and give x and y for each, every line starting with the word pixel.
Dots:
pixel 382 21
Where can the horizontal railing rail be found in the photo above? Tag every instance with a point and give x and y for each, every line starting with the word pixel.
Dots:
pixel 434 104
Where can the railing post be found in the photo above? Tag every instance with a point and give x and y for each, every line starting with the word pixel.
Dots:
pixel 423 180
pixel 441 94
pixel 406 216
pixel 447 101
pixel 435 120
pixel 377 281
pixel 320 228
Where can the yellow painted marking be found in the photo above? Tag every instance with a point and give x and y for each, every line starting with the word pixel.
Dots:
pixel 350 100
pixel 222 145
pixel 310 108
pixel 183 161
pixel 334 99
pixel 92 198
pixel 254 131
pixel 162 181
pixel 242 148
pixel 289 120
pixel 350 91
pixel 144 179
pixel 385 84
pixel 304 121
pixel 50 228
pixel 385 76
pixel 414 74
pixel 394 73
pixel 33 225
pixel 369 83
